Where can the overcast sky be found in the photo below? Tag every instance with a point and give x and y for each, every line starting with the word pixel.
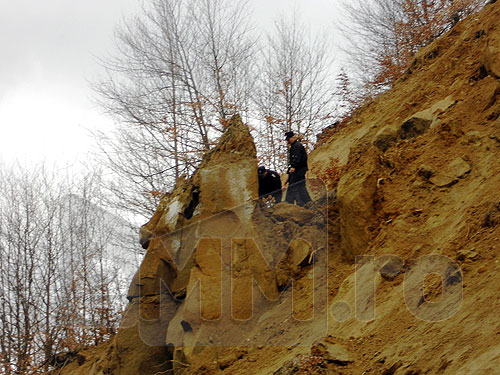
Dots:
pixel 49 53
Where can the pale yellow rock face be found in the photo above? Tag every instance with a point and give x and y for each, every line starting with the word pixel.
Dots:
pixel 212 264
pixel 338 148
pixel 186 253
pixel 451 173
pixel 356 192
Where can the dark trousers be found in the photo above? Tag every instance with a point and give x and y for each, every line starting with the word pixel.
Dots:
pixel 297 190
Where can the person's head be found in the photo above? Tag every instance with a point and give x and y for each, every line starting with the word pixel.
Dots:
pixel 261 171
pixel 290 137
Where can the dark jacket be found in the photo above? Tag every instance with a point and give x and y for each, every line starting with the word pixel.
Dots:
pixel 298 156
pixel 269 183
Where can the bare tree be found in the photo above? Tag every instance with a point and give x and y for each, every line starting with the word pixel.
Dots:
pixel 60 285
pixel 22 230
pixel 383 36
pixel 181 71
pixel 295 89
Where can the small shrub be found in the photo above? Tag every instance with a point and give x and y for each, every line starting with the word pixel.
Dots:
pixel 331 173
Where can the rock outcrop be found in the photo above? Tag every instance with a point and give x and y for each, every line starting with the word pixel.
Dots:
pixel 209 244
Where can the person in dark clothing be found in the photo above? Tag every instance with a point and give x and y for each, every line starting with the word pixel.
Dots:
pixel 269 184
pixel 297 190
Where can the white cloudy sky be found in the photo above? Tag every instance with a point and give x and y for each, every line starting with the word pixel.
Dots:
pixel 48 54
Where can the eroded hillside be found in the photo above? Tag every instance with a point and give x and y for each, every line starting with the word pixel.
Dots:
pixel 419 193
